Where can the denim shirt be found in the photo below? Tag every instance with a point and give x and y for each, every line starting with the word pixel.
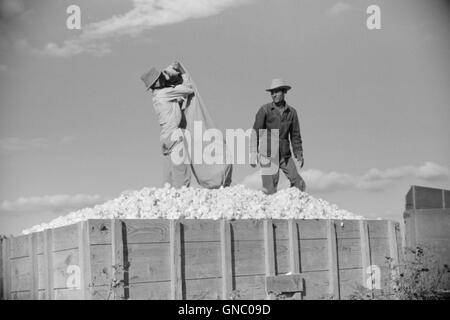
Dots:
pixel 268 117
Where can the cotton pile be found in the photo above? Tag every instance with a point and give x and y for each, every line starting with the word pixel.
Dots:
pixel 236 202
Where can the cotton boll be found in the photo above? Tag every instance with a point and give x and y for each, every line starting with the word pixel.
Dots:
pixel 236 202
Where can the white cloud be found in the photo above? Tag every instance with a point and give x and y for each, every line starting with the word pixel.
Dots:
pixel 145 15
pixel 432 171
pixel 338 8
pixel 373 180
pixel 14 144
pixel 376 179
pixel 53 203
pixel 319 181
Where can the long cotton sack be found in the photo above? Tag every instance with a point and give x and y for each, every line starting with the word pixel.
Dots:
pixel 208 175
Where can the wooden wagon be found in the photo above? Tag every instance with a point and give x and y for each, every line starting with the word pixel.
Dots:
pixel 199 259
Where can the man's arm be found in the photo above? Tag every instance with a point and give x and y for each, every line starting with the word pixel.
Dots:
pixel 182 90
pixel 296 138
pixel 259 123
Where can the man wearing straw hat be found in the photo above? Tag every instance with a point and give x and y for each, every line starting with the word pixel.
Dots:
pixel 170 88
pixel 279 117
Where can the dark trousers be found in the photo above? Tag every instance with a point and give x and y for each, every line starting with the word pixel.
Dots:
pixel 287 165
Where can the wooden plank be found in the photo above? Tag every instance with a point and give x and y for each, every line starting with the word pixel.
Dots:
pixel 48 254
pixel 42 273
pixel 409 199
pixel 119 260
pixel 379 250
pixel 65 237
pixel 282 263
pixel 393 248
pixel 32 239
pixel 249 258
pixel 446 199
pixel 316 285
pixel 148 262
pixel 41 295
pixel 84 260
pixel 19 247
pixel 250 288
pixel 66 269
pixel 349 253
pixel 385 278
pixel 99 231
pixel 202 260
pixel 150 291
pixel 314 255
pixel 443 198
pixel 399 236
pixel 284 283
pixel 20 274
pixel 409 217
pixel 100 257
pixel 195 230
pixel 6 250
pixel 312 229
pixel 269 254
pixel 147 230
pixel 247 230
pixel 427 198
pixel 334 289
pixel 432 224
pixel 175 260
pixel 226 255
pixel 40 242
pixel 21 295
pixel 347 229
pixel 349 281
pixel 365 253
pixel 100 292
pixel 281 229
pixel 68 294
pixel 294 253
pixel 204 289
pixel 377 228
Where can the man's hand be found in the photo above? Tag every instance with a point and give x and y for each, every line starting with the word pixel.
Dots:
pixel 253 160
pixel 173 70
pixel 301 160
pixel 177 67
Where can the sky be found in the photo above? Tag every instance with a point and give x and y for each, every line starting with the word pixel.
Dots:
pixel 78 128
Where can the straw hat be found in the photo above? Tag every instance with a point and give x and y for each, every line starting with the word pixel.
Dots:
pixel 150 77
pixel 278 83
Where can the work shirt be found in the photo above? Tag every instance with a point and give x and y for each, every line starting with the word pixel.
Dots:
pixel 281 109
pixel 269 118
pixel 166 102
